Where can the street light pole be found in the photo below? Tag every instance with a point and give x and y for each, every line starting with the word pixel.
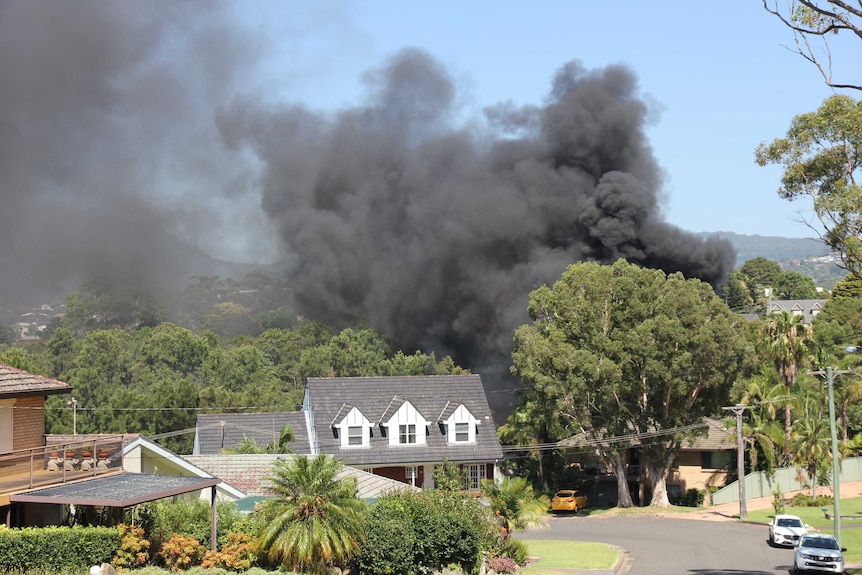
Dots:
pixel 836 475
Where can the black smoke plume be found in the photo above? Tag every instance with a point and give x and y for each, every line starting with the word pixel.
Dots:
pixel 437 233
pixel 125 125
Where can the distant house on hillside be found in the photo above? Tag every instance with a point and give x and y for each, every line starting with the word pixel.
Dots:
pixel 806 308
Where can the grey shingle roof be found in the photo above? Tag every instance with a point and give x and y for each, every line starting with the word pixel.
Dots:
pixel 429 394
pixel 265 428
pixel 19 383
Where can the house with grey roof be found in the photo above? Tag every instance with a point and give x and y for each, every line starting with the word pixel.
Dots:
pixel 806 308
pixel 217 432
pixel 398 427
pixel 402 427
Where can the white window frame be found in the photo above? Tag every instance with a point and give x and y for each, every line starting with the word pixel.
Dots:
pixel 473 476
pixel 355 436
pixel 406 432
pixel 462 431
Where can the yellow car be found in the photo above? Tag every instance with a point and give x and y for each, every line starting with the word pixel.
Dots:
pixel 568 500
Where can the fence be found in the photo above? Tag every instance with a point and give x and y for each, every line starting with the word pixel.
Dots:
pixel 786 479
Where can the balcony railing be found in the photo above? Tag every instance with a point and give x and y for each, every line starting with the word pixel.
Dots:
pixel 59 463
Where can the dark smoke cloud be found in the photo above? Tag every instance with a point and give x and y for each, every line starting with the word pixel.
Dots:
pixel 107 146
pixel 436 233
pixel 125 125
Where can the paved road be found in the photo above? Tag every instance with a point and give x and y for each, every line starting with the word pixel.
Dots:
pixel 677 546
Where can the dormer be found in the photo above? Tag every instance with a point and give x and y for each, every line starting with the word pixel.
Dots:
pixel 457 423
pixel 351 427
pixel 403 424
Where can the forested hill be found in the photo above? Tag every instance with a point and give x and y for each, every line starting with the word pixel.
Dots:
pixel 773 248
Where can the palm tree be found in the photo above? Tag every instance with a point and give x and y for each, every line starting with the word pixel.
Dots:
pixel 785 342
pixel 515 503
pixel 812 443
pixel 763 429
pixel 249 444
pixel 315 521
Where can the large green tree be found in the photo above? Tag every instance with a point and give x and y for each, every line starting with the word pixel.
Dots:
pixel 794 285
pixel 314 522
pixel 620 350
pixel 821 155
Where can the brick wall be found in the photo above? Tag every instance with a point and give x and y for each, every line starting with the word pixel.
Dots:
pixel 28 424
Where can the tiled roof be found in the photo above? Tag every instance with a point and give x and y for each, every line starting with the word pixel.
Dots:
pixel 265 428
pixel 717 438
pixel 18 383
pixel 248 474
pixel 428 394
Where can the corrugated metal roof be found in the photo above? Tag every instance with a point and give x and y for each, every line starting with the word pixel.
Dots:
pixel 17 383
pixel 121 490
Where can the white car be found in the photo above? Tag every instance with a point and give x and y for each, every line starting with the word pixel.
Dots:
pixel 786 530
pixel 820 553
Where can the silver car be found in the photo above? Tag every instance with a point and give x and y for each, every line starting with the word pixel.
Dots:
pixel 819 553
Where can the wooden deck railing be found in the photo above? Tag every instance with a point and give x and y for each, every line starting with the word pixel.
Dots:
pixel 58 463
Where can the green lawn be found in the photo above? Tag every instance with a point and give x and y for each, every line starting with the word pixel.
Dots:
pixel 554 555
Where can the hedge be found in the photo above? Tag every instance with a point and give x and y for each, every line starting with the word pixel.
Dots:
pixel 56 548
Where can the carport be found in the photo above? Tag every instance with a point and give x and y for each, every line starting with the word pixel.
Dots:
pixel 123 490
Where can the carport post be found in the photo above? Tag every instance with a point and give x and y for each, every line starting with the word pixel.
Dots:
pixel 213 519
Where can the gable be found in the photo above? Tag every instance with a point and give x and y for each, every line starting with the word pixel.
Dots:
pixel 351 427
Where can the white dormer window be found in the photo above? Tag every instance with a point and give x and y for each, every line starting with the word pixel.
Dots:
pixel 354 435
pixel 403 423
pixel 406 433
pixel 458 423
pixel 462 432
pixel 351 427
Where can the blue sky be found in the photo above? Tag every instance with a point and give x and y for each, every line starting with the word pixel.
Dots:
pixel 717 74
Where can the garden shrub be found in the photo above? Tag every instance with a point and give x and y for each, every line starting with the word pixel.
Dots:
pixel 408 532
pixel 803 500
pixel 163 519
pixel 514 548
pixel 693 497
pixel 181 552
pixel 238 553
pixel 502 564
pixel 134 547
pixel 56 548
pixel 389 547
pixel 778 500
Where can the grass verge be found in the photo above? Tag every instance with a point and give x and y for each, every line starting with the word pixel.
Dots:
pixel 554 555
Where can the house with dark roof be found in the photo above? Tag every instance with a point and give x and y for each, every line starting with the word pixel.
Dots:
pixel 396 427
pixel 217 432
pixel 805 308
pixel 403 427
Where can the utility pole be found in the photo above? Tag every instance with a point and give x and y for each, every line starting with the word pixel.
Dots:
pixel 738 410
pixel 836 459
